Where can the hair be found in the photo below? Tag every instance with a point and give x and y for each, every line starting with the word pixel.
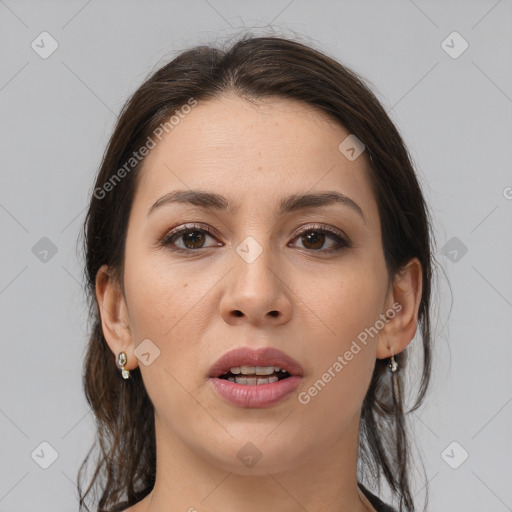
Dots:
pixel 253 68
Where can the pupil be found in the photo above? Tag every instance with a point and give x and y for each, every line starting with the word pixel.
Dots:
pixel 314 238
pixel 194 237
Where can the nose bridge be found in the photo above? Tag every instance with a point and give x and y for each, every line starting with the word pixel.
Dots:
pixel 254 253
pixel 253 262
pixel 256 290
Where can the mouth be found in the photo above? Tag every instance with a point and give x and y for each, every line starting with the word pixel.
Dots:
pixel 245 363
pixel 255 375
pixel 246 377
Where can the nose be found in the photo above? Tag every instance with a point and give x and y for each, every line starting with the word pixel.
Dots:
pixel 256 292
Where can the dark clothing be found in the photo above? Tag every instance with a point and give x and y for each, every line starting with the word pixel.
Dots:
pixel 377 504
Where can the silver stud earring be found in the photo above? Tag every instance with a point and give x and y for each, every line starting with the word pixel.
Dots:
pixel 393 365
pixel 121 361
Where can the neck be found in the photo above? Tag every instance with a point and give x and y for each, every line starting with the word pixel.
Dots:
pixel 275 476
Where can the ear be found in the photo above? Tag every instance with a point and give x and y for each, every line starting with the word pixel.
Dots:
pixel 114 316
pixel 403 304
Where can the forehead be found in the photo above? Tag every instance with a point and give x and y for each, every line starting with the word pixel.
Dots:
pixel 254 152
pixel 233 128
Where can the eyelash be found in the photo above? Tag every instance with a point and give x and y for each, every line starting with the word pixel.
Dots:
pixel 170 237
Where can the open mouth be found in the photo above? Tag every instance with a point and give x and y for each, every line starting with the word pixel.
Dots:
pixel 258 385
pixel 252 379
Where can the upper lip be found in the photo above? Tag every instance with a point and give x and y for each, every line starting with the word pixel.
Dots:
pixel 264 356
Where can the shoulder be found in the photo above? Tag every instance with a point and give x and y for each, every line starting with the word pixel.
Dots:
pixel 376 502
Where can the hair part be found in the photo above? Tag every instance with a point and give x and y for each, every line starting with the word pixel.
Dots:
pixel 252 68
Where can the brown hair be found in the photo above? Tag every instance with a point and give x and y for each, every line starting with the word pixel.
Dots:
pixel 252 67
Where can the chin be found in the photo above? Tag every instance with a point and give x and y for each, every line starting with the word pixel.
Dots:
pixel 254 455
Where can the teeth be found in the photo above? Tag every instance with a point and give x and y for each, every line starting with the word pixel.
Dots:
pixel 252 381
pixel 255 370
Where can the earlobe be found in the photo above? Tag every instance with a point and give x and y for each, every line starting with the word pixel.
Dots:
pixel 404 302
pixel 114 317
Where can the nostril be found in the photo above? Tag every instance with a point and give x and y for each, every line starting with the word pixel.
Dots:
pixel 274 313
pixel 238 313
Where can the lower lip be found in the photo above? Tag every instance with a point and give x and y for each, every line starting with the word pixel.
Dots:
pixel 257 396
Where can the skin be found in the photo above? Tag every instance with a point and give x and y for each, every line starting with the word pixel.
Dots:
pixel 255 154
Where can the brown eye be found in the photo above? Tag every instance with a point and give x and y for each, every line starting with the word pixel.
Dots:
pixel 193 239
pixel 316 237
pixel 313 240
pixel 188 239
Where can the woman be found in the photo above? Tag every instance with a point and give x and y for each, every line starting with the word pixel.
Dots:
pixel 258 260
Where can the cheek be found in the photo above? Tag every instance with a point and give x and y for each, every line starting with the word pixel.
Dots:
pixel 346 309
pixel 347 303
pixel 170 306
pixel 165 306
pixel 340 364
pixel 160 295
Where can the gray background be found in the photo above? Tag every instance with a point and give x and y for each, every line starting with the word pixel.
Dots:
pixel 454 113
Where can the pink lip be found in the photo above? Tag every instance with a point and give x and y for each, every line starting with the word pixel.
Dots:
pixel 264 356
pixel 257 396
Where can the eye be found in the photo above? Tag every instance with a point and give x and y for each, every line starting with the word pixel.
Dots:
pixel 192 238
pixel 314 237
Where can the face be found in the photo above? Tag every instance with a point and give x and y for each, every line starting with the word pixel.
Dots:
pixel 313 279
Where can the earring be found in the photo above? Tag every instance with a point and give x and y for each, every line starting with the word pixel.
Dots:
pixel 393 365
pixel 121 361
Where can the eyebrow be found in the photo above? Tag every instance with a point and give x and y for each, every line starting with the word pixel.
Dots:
pixel 292 203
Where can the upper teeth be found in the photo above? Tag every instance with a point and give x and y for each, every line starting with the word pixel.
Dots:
pixel 255 370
